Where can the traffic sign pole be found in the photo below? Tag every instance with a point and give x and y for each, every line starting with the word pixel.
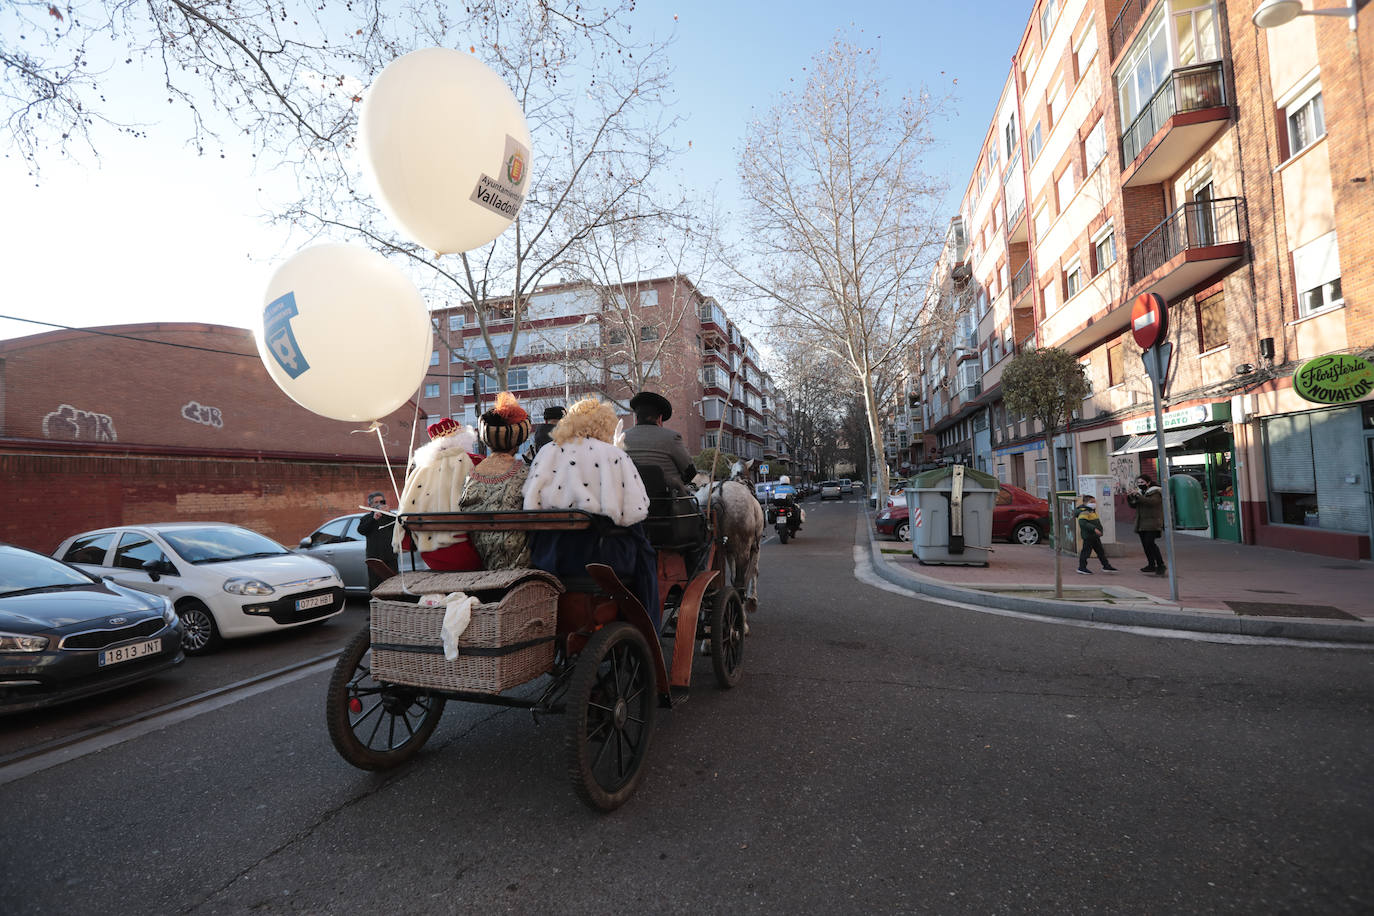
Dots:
pixel 1159 375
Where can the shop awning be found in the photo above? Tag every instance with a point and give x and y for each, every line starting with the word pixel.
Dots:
pixel 1173 438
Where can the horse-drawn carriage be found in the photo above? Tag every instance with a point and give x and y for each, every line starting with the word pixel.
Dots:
pixel 581 645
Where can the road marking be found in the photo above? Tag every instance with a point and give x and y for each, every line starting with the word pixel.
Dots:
pixel 864 572
pixel 63 751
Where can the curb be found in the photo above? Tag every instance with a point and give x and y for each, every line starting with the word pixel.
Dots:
pixel 1337 631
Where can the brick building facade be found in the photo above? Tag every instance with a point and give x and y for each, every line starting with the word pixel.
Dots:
pixel 1173 147
pixel 171 422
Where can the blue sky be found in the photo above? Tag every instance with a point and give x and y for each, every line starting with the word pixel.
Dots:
pixel 154 233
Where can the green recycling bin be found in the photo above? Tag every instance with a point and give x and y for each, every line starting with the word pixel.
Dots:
pixel 940 535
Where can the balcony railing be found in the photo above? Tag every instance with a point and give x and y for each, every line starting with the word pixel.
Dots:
pixel 1021 281
pixel 1125 22
pixel 1200 224
pixel 1186 89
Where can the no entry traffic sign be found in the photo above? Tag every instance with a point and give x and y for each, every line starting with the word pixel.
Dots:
pixel 1149 320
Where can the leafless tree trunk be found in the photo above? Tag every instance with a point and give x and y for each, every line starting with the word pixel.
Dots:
pixel 842 221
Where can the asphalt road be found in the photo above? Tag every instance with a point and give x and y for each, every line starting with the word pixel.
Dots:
pixel 882 754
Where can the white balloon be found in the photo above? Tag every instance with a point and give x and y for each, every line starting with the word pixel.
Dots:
pixel 447 149
pixel 344 332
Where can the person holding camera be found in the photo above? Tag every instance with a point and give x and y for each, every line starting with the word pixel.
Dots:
pixel 1148 502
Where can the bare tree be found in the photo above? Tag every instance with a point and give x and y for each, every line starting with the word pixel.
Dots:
pixel 807 378
pixel 842 220
pixel 1048 386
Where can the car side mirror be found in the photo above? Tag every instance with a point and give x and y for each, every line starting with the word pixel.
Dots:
pixel 305 542
pixel 156 569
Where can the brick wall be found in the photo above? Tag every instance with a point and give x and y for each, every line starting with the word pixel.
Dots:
pixel 50 496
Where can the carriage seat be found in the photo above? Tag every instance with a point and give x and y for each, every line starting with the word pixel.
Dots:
pixel 674 522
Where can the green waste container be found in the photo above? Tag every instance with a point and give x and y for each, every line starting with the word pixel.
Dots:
pixel 1190 506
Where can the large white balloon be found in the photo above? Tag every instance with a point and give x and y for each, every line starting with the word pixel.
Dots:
pixel 447 148
pixel 344 332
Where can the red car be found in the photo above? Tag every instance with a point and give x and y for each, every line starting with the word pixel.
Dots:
pixel 1017 516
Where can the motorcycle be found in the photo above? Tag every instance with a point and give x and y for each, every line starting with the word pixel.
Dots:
pixel 787 520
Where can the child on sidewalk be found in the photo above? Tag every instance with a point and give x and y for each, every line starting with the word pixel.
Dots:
pixel 1090 535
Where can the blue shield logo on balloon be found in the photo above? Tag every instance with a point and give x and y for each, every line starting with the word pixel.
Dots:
pixel 281 341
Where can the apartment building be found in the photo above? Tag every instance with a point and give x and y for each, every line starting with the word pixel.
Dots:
pixel 577 339
pixel 1173 147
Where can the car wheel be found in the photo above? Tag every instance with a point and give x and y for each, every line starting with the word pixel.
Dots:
pixel 903 532
pixel 1027 533
pixel 199 634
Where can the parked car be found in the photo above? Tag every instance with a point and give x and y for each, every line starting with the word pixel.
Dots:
pixel 830 489
pixel 65 634
pixel 846 486
pixel 224 581
pixel 338 543
pixel 1017 516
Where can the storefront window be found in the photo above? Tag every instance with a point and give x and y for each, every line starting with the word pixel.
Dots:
pixel 1310 460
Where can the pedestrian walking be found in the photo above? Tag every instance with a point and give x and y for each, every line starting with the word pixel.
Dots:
pixel 1148 502
pixel 1090 535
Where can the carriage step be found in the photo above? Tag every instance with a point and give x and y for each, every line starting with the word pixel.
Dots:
pixel 677 696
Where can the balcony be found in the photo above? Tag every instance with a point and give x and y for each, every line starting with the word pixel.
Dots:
pixel 1194 243
pixel 1020 283
pixel 1181 118
pixel 1125 22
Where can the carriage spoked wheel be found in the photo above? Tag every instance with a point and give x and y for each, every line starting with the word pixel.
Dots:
pixel 727 637
pixel 376 726
pixel 611 703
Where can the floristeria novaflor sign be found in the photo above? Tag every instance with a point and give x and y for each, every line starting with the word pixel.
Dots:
pixel 1334 379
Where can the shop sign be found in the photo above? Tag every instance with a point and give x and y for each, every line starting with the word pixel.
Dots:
pixel 1177 419
pixel 1336 378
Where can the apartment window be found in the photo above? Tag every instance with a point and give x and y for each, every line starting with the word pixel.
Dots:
pixel 455 322
pixel 1009 136
pixel 615 336
pixel 434 357
pixel 518 380
pixel 1042 221
pixel 709 440
pixel 1034 144
pixel 1146 67
pixel 1095 146
pixel 1086 49
pixel 457 387
pixel 997 349
pixel 648 332
pixel 454 356
pixel 1211 322
pixel 1306 120
pixel 1104 249
pixel 1087 366
pixel 1116 364
pixel 1056 104
pixel 1073 280
pixel 431 389
pixel 1317 274
pixel 1047 16
pixel 1065 187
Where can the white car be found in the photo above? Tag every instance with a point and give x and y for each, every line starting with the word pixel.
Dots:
pixel 223 580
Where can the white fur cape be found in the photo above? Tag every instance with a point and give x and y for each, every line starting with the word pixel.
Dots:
pixel 434 485
pixel 587 474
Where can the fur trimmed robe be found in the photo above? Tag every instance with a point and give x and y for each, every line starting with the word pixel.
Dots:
pixel 590 475
pixel 435 485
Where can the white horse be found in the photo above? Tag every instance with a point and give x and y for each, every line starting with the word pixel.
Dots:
pixel 739 528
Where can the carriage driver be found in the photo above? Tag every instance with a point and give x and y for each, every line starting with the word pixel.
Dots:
pixel 649 443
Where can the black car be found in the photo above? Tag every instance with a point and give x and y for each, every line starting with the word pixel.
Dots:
pixel 65 634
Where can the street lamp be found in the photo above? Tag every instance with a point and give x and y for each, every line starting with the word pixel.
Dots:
pixel 1271 14
pixel 567 355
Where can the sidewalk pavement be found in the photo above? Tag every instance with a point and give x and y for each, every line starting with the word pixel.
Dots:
pixel 1222 587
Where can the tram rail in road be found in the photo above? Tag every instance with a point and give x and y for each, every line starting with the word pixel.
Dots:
pixel 70 747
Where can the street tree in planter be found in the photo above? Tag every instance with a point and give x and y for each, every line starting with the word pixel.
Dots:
pixel 1046 385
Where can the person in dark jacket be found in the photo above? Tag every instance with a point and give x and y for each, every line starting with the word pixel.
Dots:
pixel 1148 502
pixel 1090 535
pixel 650 443
pixel 377 528
pixel 543 433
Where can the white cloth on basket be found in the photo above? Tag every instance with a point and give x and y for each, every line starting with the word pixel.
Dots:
pixel 457 615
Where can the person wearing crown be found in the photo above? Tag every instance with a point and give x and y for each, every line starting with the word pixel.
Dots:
pixel 496 484
pixel 435 484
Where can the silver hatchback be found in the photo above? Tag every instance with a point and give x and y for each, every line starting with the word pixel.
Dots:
pixel 339 544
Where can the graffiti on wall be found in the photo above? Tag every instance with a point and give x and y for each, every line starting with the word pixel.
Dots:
pixel 199 413
pixel 68 422
pixel 1124 469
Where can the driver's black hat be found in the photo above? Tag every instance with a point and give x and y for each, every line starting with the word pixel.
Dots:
pixel 653 401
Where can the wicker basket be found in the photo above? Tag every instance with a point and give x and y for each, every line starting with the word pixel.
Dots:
pixel 509 641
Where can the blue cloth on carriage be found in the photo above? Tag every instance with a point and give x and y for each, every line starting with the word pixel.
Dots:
pixel 626 550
